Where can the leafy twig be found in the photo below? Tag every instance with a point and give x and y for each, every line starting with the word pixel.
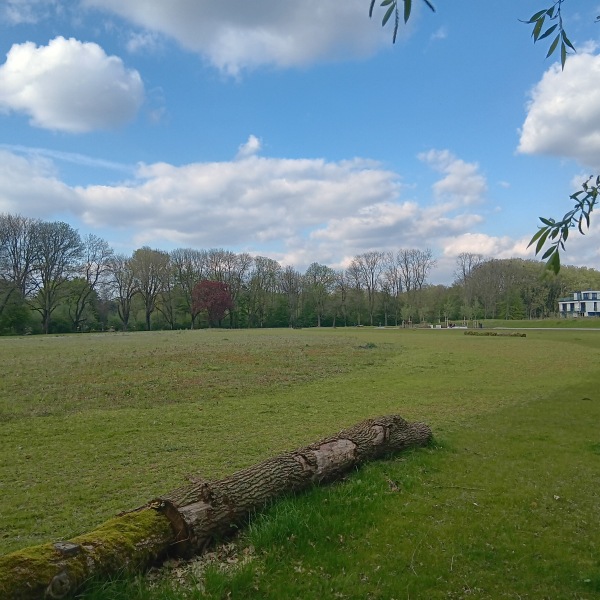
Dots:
pixel 392 9
pixel 557 232
pixel 552 15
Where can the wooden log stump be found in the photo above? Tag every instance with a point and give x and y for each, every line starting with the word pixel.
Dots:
pixel 187 519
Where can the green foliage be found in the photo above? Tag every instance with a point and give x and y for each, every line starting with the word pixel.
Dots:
pixel 495 334
pixel 391 9
pixel 511 306
pixel 557 232
pixel 15 317
pixel 552 15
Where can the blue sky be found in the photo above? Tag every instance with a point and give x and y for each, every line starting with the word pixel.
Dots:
pixel 296 130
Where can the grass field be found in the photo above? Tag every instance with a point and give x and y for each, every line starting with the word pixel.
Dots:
pixel 504 504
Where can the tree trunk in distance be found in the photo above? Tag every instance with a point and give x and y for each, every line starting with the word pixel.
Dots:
pixel 187 519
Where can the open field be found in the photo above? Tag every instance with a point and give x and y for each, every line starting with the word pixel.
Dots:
pixel 571 323
pixel 505 504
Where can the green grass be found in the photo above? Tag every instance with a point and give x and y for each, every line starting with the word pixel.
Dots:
pixel 569 323
pixel 473 516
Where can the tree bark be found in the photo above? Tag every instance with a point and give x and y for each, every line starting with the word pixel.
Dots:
pixel 187 519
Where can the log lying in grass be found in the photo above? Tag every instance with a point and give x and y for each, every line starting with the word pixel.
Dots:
pixel 189 518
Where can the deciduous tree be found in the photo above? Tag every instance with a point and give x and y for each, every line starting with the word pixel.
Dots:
pixel 367 269
pixel 190 266
pixel 123 286
pixel 18 246
pixel 319 281
pixel 91 272
pixel 58 252
pixel 212 297
pixel 341 287
pixel 263 287
pixel 150 269
pixel 290 284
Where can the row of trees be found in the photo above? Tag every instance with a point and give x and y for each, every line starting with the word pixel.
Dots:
pixel 54 280
pixel 514 288
pixel 45 265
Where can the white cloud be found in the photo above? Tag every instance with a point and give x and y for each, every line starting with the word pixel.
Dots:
pixel 563 115
pixel 250 148
pixel 143 42
pixel 29 186
pixel 462 185
pixel 69 85
pixel 439 34
pixel 249 201
pixel 238 35
pixel 294 210
pixel 16 12
pixel 487 245
pixel 70 157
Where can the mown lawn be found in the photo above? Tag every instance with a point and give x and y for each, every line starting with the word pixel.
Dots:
pixel 504 504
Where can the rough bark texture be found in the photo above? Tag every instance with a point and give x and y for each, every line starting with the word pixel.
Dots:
pixel 203 509
pixel 189 518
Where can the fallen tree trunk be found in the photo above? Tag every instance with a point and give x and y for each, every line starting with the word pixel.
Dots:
pixel 189 518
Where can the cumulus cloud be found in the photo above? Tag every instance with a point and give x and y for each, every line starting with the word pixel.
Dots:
pixel 249 201
pixel 69 85
pixel 250 148
pixel 487 245
pixel 563 114
pixel 239 35
pixel 294 210
pixel 462 183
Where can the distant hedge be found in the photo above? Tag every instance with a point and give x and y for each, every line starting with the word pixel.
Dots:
pixel 496 334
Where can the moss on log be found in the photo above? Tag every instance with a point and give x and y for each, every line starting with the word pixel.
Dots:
pixel 190 517
pixel 129 542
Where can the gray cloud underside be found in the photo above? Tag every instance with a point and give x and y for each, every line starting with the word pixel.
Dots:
pixel 239 35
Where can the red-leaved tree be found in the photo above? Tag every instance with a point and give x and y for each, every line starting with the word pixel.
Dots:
pixel 212 297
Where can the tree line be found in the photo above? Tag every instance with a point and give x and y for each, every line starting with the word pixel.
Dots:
pixel 52 280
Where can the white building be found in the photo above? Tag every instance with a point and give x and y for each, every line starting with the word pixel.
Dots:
pixel 580 304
